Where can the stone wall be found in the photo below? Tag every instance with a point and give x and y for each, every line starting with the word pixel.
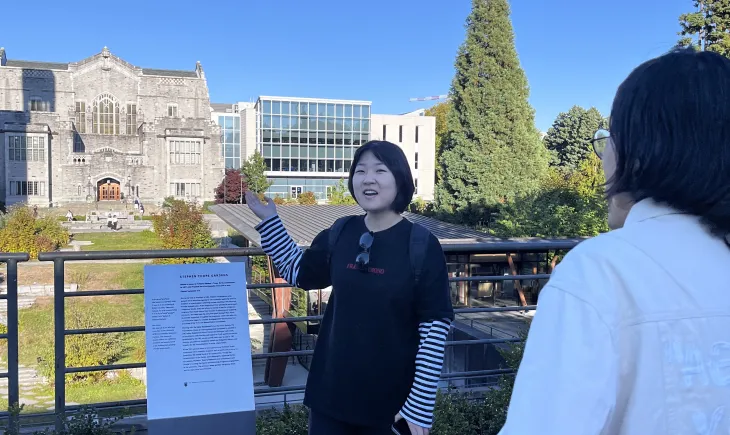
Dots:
pixel 27 296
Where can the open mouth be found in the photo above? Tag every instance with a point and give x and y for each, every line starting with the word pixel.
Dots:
pixel 370 193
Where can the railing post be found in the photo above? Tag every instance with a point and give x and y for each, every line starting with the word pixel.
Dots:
pixel 12 301
pixel 59 339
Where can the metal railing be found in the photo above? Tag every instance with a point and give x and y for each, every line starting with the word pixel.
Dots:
pixel 59 260
pixel 11 297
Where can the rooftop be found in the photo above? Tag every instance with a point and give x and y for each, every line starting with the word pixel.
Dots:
pixel 64 66
pixel 314 100
pixel 32 64
pixel 304 222
pixel 222 107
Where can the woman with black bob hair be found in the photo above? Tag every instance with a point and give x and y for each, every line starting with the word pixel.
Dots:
pixel 380 349
pixel 630 336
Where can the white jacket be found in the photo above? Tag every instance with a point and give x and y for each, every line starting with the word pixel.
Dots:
pixel 631 335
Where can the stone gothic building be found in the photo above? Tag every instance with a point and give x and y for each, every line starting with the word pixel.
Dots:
pixel 103 129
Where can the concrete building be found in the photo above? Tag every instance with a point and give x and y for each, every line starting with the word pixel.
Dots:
pixel 103 129
pixel 308 143
pixel 416 134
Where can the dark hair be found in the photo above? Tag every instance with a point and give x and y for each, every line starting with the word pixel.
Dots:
pixel 395 159
pixel 670 126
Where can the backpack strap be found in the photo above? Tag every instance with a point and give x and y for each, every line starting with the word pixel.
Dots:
pixel 334 234
pixel 418 248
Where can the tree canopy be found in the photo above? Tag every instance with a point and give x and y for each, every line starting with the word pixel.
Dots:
pixel 569 138
pixel 231 188
pixel 708 27
pixel 254 175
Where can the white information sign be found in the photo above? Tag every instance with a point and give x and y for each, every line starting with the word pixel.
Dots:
pixel 198 343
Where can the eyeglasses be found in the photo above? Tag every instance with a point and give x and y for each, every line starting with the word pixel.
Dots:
pixel 363 258
pixel 600 142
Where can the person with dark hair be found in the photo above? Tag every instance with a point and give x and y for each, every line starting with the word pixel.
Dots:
pixel 632 331
pixel 380 349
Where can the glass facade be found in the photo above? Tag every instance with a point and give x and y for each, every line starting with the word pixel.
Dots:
pixel 231 139
pixel 314 137
pixel 293 187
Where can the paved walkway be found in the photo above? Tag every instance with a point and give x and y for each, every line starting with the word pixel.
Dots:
pixel 33 393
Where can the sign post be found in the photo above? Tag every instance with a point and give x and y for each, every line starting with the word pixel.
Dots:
pixel 199 373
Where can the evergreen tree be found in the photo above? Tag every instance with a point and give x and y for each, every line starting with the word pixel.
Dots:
pixel 708 28
pixel 254 175
pixel 569 139
pixel 493 151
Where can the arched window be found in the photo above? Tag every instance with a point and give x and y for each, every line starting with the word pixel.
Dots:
pixel 105 115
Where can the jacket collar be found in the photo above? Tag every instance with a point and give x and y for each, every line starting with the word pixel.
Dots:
pixel 648 209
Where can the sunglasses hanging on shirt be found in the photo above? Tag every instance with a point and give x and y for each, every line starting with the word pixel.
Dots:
pixel 363 258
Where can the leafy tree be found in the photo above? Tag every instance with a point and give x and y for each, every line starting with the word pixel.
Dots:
pixel 493 152
pixel 253 171
pixel 567 205
pixel 569 139
pixel 182 226
pixel 307 198
pixel 440 111
pixel 340 195
pixel 231 189
pixel 708 28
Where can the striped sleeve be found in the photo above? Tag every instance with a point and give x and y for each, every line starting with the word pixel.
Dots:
pixel 277 244
pixel 418 408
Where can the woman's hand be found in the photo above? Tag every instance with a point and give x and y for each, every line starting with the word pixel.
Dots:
pixel 414 428
pixel 263 210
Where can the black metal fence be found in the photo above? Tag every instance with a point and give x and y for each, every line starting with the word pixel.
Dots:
pixel 11 297
pixel 60 259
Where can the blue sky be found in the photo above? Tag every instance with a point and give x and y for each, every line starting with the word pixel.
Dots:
pixel 384 51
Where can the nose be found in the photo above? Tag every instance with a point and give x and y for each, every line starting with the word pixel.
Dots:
pixel 368 179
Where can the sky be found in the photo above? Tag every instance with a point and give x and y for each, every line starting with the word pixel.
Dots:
pixel 384 51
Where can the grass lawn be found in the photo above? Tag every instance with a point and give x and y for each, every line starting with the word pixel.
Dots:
pixel 144 240
pixel 36 325
pixel 89 276
pixel 114 390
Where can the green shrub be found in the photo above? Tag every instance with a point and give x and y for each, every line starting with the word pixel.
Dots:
pixel 22 232
pixel 290 421
pixel 85 350
pixel 182 226
pixel 418 205
pixel 307 198
pixel 44 244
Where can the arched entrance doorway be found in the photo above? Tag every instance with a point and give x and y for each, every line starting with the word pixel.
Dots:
pixel 108 189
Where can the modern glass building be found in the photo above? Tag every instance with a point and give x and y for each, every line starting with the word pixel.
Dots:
pixel 308 143
pixel 230 124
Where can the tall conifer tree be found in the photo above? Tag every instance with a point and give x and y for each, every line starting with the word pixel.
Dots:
pixel 492 152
